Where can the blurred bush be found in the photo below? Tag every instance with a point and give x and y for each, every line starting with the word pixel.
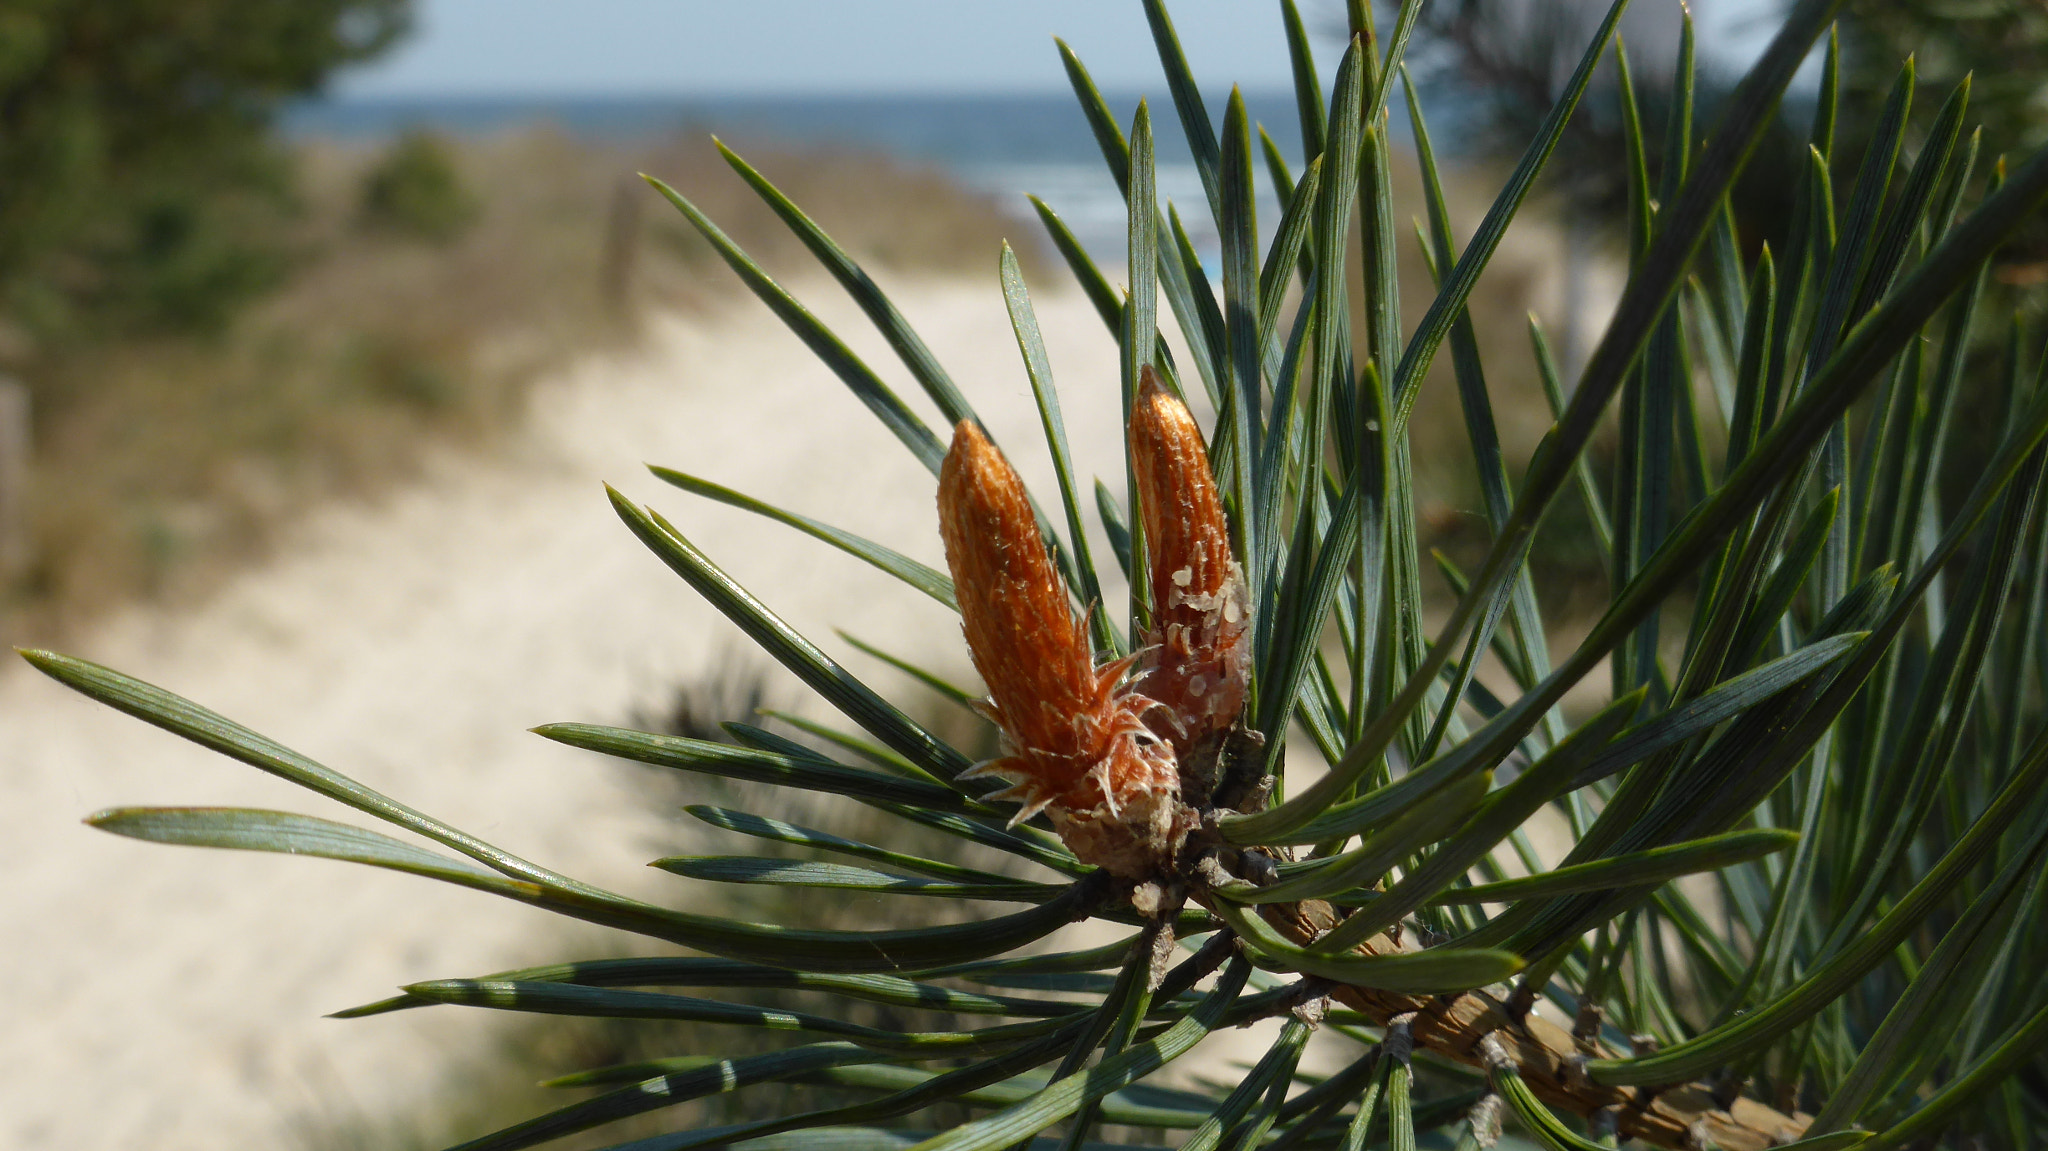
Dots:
pixel 415 190
pixel 139 183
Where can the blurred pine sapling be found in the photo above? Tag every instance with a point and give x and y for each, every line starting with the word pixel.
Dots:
pixel 414 189
pixel 1824 690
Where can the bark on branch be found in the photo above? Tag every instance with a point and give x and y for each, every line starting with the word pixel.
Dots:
pixel 1548 1057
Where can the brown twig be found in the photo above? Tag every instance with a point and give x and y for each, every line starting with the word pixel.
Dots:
pixel 1548 1058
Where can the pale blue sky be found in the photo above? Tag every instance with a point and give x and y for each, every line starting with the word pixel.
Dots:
pixel 662 47
pixel 681 46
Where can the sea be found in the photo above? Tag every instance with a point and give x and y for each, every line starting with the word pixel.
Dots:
pixel 1006 146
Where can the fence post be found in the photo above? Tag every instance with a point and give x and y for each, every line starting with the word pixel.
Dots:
pixel 621 244
pixel 16 542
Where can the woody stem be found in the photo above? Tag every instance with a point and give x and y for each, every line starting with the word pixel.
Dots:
pixel 1686 1117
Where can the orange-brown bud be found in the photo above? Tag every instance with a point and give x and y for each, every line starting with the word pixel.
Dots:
pixel 1198 661
pixel 1077 746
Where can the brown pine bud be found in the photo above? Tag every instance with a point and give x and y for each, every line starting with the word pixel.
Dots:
pixel 1076 744
pixel 1198 660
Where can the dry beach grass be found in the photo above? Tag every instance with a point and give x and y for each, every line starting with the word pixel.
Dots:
pixel 161 463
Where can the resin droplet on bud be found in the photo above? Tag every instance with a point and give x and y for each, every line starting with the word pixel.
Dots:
pixel 1197 662
pixel 1076 743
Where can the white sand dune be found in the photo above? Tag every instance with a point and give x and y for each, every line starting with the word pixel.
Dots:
pixel 171 998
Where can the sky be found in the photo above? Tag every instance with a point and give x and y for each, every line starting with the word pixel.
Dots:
pixel 643 47
pixel 680 47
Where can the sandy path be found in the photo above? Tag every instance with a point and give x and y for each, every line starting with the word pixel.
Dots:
pixel 170 998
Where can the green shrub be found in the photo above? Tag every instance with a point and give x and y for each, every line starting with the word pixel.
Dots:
pixel 1838 727
pixel 415 190
pixel 140 185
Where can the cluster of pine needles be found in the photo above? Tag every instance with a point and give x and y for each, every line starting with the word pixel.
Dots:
pixel 1824 704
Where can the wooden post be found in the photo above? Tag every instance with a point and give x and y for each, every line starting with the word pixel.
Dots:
pixel 16 541
pixel 621 244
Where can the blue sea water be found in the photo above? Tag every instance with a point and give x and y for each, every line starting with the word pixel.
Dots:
pixel 1007 146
